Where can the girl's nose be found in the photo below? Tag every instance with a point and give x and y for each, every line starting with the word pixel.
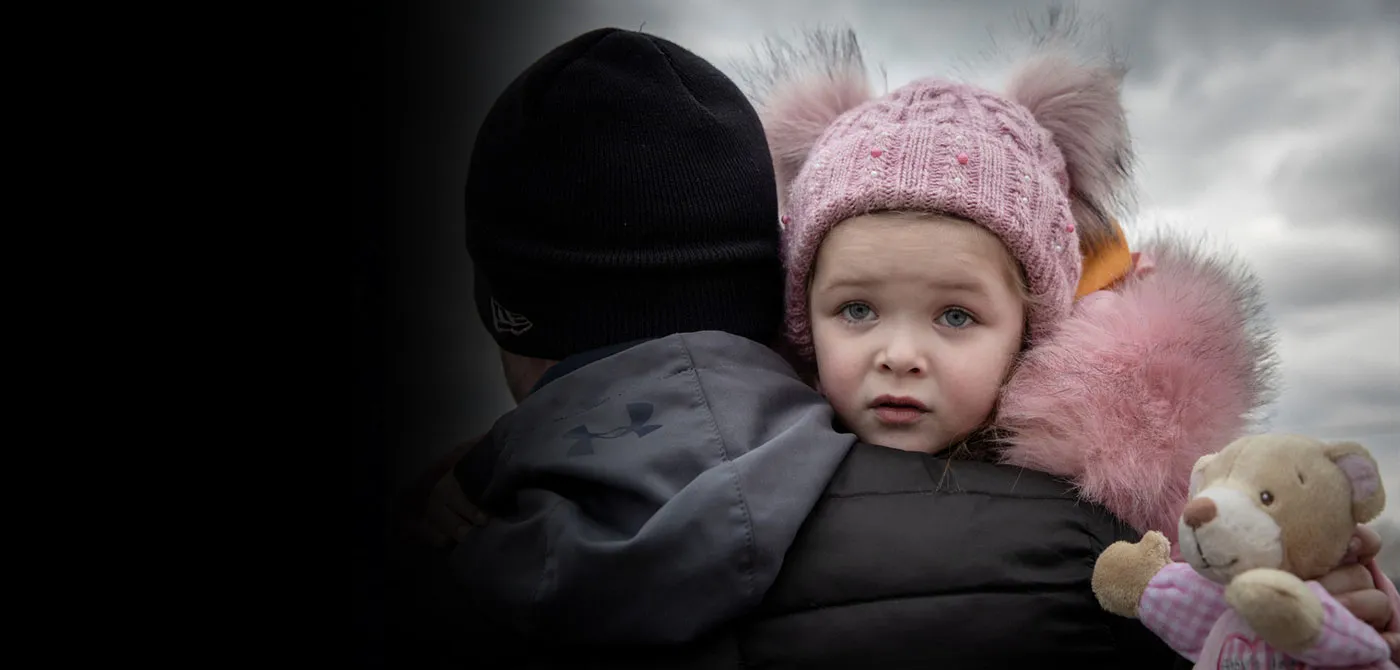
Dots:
pixel 902 355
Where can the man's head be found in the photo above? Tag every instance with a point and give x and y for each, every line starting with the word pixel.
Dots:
pixel 621 189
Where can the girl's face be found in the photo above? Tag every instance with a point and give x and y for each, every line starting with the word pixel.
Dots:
pixel 915 322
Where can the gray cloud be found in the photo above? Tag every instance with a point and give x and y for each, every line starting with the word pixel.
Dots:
pixel 1301 281
pixel 1357 175
pixel 1161 35
pixel 1208 115
pixel 1341 373
pixel 1356 402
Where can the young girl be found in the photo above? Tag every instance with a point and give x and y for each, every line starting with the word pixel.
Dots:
pixel 1113 368
pixel 962 293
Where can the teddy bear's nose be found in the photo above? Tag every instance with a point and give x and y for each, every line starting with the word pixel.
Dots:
pixel 1198 511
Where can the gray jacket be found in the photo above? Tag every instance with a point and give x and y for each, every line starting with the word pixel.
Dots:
pixel 647 497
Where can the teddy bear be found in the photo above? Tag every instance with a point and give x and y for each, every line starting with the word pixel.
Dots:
pixel 1265 517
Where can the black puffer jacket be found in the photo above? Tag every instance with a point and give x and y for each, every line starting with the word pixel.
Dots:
pixel 915 561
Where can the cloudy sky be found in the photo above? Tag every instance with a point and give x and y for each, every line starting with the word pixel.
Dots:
pixel 1273 126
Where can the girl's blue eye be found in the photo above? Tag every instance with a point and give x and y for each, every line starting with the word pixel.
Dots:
pixel 955 318
pixel 857 311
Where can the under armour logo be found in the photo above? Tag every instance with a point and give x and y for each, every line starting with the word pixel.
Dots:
pixel 583 438
pixel 507 321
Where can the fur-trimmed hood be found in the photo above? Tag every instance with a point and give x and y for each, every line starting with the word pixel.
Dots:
pixel 1142 379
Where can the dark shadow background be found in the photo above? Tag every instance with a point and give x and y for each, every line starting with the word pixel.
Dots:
pixel 424 75
pixel 426 374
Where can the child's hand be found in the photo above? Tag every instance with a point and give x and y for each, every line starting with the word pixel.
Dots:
pixel 435 510
pixel 449 516
pixel 1354 587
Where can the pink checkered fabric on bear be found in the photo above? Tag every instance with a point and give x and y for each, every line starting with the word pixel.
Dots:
pixel 1190 614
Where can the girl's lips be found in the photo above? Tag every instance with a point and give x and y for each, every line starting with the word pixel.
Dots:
pixel 898 415
pixel 899 401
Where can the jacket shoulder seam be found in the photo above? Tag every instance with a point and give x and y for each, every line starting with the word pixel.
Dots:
pixel 752 553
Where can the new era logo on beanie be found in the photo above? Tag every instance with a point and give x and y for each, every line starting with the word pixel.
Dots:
pixel 507 321
pixel 620 189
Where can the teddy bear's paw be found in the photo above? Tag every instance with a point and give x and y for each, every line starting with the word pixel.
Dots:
pixel 1278 606
pixel 1157 548
pixel 1124 569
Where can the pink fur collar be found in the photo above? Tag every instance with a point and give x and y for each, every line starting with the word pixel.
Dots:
pixel 1143 379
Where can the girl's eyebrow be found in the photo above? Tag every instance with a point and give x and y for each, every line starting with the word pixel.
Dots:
pixel 852 281
pixel 964 284
pixel 961 284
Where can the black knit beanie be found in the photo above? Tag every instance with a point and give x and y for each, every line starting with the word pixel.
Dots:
pixel 621 188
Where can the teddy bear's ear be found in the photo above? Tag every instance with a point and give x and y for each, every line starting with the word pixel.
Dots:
pixel 1367 492
pixel 1198 473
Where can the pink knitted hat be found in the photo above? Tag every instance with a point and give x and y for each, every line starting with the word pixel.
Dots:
pixel 1038 167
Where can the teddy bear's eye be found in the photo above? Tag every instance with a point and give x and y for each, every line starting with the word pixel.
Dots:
pixel 1266 498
